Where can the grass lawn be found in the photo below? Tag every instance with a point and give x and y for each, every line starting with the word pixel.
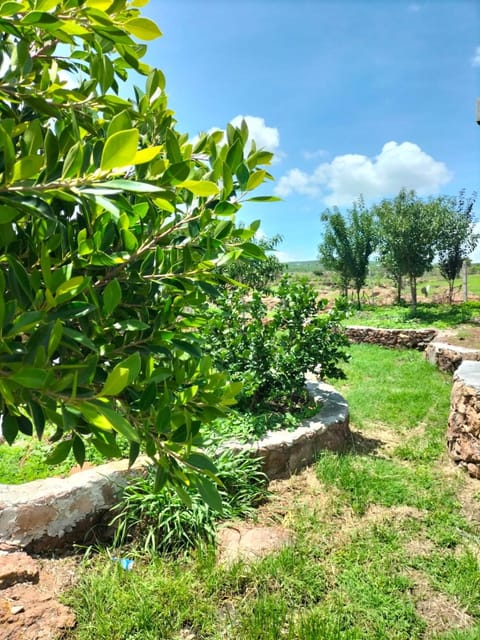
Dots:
pixel 386 541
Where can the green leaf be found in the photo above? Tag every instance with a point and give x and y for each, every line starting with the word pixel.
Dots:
pixel 131 325
pixel 105 418
pixel 189 347
pixel 60 453
pixel 255 179
pixel 38 418
pixel 119 150
pixel 9 428
pixel 112 296
pixel 264 199
pixel 8 214
pixel 201 461
pixel 202 188
pixel 129 185
pixel 209 493
pixel 27 167
pixel 122 375
pixel 116 382
pixel 30 377
pixel 146 155
pixel 142 28
pixel 78 450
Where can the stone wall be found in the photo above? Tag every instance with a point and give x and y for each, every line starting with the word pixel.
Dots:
pixel 408 338
pixel 286 452
pixel 463 433
pixel 53 513
pixel 449 357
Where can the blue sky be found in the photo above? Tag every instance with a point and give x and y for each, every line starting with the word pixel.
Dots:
pixel 353 97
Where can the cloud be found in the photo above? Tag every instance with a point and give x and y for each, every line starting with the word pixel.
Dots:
pixel 267 138
pixel 414 7
pixel 342 180
pixel 314 155
pixel 476 58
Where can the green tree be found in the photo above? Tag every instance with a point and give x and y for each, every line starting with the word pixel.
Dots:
pixel 260 272
pixel 112 228
pixel 348 243
pixel 457 238
pixel 408 235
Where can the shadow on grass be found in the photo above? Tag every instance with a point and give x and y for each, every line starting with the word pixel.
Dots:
pixel 362 445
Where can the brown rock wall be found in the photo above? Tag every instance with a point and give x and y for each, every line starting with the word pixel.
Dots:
pixel 394 338
pixel 463 433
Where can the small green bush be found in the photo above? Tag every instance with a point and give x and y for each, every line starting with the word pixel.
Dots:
pixel 270 352
pixel 161 522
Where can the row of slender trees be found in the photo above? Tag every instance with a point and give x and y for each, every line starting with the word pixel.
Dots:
pixel 407 233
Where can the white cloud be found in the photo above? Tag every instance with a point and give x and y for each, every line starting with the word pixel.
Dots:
pixel 342 180
pixel 476 58
pixel 265 137
pixel 314 155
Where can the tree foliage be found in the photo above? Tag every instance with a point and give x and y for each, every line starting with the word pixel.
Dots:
pixel 260 272
pixel 270 352
pixel 408 235
pixel 348 242
pixel 112 228
pixel 457 238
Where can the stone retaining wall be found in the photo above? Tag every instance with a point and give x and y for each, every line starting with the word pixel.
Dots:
pixel 463 434
pixel 52 513
pixel 408 338
pixel 448 357
pixel 286 452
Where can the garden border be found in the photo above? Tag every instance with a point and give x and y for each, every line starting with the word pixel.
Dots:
pixel 58 512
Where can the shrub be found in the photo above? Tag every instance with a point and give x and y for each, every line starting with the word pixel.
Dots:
pixel 162 522
pixel 270 353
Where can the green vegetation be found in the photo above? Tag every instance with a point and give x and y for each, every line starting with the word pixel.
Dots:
pixel 382 550
pixel 428 315
pixel 270 352
pixel 347 245
pixel 113 226
pixel 408 233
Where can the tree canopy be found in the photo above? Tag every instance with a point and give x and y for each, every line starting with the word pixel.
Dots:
pixel 408 235
pixel 457 238
pixel 348 242
pixel 112 228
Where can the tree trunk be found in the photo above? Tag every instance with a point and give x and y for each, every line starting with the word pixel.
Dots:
pixel 451 284
pixel 359 306
pixel 399 289
pixel 413 290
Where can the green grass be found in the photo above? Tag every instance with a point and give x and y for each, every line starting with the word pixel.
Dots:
pixel 428 315
pixel 385 533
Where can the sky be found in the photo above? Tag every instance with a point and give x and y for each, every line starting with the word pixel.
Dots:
pixel 353 97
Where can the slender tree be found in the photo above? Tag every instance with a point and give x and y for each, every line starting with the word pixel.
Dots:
pixel 348 242
pixel 457 238
pixel 408 234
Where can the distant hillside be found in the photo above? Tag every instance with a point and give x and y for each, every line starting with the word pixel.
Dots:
pixel 303 266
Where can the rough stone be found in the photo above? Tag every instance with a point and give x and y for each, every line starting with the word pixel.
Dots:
pixel 449 357
pixel 28 606
pixel 286 452
pixel 463 432
pixel 17 567
pixel 247 543
pixel 396 338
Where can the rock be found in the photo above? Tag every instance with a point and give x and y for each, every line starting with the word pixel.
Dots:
pixel 463 433
pixel 28 606
pixel 241 542
pixel 17 567
pixel 406 338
